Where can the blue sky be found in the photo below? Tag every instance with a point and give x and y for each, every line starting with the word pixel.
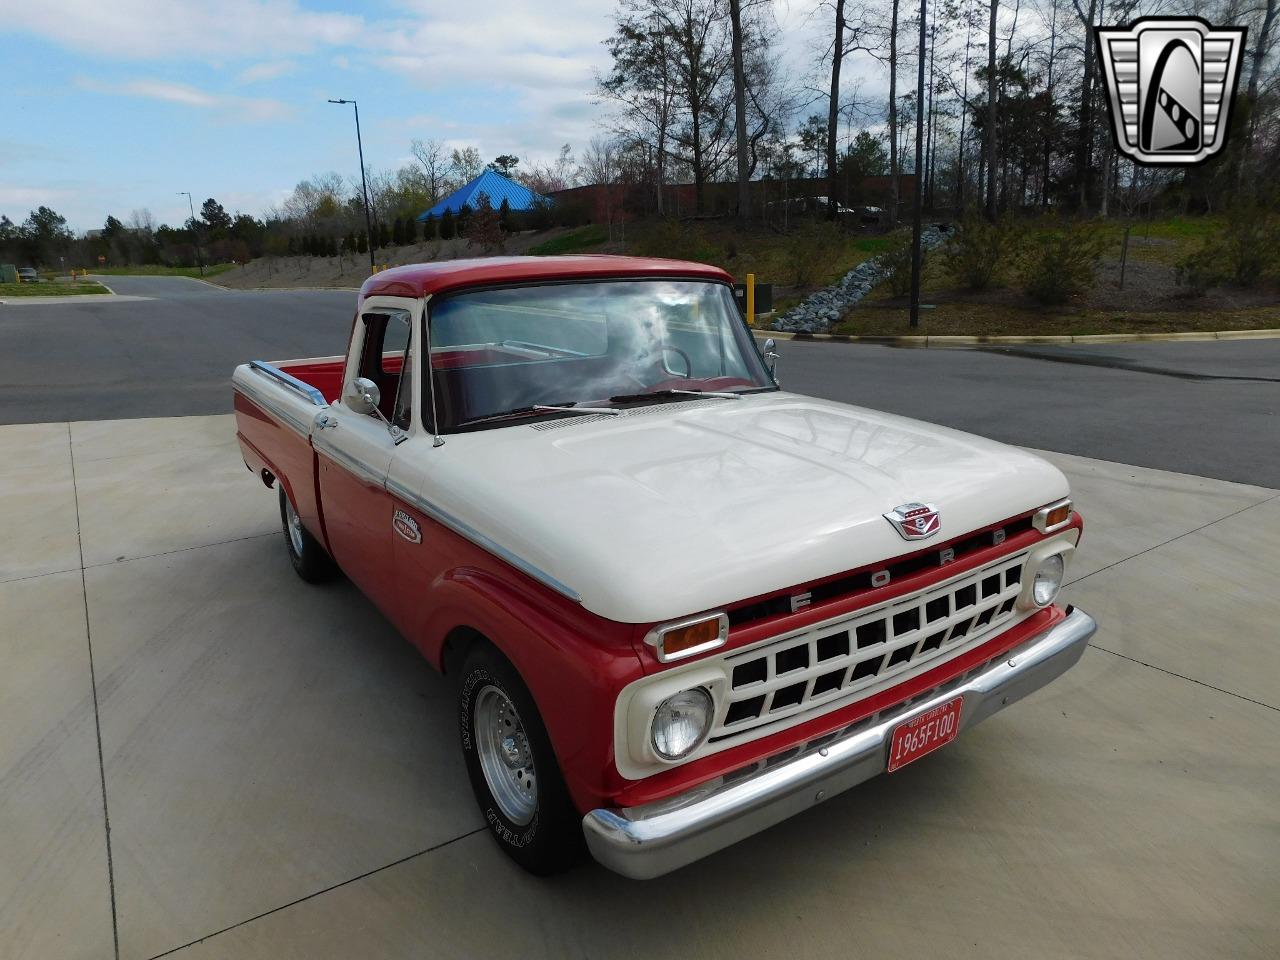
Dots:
pixel 115 105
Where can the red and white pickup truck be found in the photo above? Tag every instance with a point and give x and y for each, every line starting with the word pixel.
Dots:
pixel 679 603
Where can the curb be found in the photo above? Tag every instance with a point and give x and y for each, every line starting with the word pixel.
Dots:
pixel 285 289
pixel 962 341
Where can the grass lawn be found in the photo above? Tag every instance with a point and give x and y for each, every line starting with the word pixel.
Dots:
pixel 45 289
pixel 157 270
pixel 577 241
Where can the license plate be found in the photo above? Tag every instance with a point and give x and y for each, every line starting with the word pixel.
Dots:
pixel 913 738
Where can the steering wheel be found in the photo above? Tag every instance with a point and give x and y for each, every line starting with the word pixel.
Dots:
pixel 688 364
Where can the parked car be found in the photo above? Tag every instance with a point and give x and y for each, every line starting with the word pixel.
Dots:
pixel 28 275
pixel 679 604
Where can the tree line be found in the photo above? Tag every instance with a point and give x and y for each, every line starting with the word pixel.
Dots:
pixel 1014 114
pixel 696 93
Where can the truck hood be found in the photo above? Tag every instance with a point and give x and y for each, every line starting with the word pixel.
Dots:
pixel 673 509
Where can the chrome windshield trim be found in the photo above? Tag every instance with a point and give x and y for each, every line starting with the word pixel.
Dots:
pixel 293 383
pixel 468 532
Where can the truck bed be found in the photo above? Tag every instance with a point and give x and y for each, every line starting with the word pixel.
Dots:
pixel 275 406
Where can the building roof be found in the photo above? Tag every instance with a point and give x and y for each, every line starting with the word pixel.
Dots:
pixel 422 279
pixel 491 184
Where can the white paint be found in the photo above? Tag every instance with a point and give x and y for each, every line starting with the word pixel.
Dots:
pixel 681 510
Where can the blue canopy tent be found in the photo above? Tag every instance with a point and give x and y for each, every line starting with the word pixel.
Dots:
pixel 492 185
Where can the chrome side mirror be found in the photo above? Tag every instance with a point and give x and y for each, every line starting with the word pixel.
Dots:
pixel 362 396
pixel 771 357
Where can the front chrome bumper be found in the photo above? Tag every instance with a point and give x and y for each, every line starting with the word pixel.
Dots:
pixel 659 837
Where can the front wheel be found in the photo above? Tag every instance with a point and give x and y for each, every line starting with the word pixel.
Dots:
pixel 306 554
pixel 512 768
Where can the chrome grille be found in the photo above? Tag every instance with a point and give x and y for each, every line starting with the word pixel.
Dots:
pixel 793 677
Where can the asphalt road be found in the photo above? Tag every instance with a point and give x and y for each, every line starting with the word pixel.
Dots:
pixel 1210 408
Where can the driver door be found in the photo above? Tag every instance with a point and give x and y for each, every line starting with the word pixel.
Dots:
pixel 354 454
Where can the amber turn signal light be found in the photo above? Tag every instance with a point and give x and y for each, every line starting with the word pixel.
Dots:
pixel 1052 517
pixel 685 638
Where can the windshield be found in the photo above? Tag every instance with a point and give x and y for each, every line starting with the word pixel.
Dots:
pixel 608 344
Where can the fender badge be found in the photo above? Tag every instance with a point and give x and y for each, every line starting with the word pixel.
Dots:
pixel 406 526
pixel 915 521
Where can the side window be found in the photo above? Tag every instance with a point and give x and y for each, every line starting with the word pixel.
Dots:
pixel 387 360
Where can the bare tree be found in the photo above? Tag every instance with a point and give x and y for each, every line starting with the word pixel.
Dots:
pixel 893 115
pixel 992 113
pixel 431 156
pixel 833 108
pixel 740 109
pixel 601 166
pixel 465 164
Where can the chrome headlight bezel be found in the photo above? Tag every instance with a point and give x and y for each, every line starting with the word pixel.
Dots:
pixel 689 700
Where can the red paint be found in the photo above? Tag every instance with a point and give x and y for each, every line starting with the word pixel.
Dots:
pixel 268 445
pixel 680 779
pixel 575 663
pixel 324 375
pixel 913 738
pixel 428 279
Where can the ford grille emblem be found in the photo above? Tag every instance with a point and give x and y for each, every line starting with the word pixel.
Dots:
pixel 915 521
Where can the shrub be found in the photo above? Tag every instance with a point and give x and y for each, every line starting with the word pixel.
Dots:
pixel 1200 269
pixel 808 255
pixel 1248 242
pixel 447 227
pixel 976 257
pixel 678 241
pixel 897 265
pixel 1061 262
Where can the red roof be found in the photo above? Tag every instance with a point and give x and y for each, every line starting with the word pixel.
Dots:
pixel 420 279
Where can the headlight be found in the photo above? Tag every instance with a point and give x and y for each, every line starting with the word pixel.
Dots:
pixel 681 723
pixel 1048 581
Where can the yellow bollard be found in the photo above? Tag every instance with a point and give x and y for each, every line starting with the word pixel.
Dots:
pixel 751 299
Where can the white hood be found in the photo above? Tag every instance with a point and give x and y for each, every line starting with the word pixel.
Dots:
pixel 675 509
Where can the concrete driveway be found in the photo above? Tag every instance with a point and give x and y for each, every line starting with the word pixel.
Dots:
pixel 278 777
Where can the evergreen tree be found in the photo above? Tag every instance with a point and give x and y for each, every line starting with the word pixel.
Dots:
pixel 447 229
pixel 397 232
pixel 504 215
pixel 362 243
pixel 384 236
pixel 331 248
pixel 349 242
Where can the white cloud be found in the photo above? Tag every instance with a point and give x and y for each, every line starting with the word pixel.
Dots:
pixel 181 29
pixel 232 108
pixel 268 70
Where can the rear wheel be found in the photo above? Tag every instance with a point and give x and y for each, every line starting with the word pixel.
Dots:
pixel 306 554
pixel 512 768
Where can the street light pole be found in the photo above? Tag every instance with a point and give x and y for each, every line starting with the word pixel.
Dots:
pixel 917 206
pixel 195 234
pixel 364 186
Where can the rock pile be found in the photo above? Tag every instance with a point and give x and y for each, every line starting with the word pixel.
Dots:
pixel 820 311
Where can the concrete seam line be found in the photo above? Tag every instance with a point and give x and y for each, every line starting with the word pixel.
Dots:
pixel 959 340
pixel 165 553
pixel 97 720
pixel 1165 543
pixel 1181 676
pixel 328 889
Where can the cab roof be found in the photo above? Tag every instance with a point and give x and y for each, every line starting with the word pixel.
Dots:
pixel 422 279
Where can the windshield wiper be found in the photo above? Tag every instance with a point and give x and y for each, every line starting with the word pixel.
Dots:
pixel 670 393
pixel 541 408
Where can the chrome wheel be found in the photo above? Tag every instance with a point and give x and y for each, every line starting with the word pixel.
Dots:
pixel 505 757
pixel 293 523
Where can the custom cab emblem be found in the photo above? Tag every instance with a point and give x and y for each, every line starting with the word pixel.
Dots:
pixel 915 521
pixel 406 526
pixel 1170 82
